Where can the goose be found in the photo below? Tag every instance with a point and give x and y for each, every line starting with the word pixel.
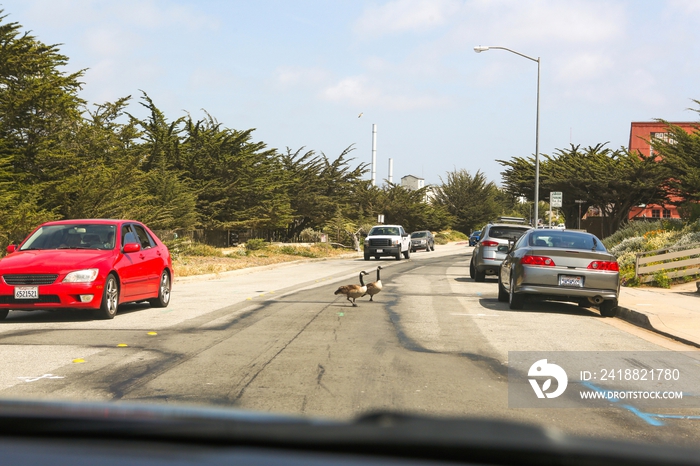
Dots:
pixel 374 287
pixel 353 291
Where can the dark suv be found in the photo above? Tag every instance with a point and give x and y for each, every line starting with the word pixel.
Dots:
pixel 422 240
pixel 486 259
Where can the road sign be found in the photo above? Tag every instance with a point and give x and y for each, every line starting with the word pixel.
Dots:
pixel 555 199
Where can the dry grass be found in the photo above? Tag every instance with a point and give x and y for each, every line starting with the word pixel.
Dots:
pixel 185 265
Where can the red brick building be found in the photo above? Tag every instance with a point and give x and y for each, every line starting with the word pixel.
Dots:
pixel 641 133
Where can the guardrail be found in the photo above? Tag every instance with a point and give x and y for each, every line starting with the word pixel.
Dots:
pixel 676 262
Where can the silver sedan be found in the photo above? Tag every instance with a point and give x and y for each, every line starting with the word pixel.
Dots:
pixel 560 265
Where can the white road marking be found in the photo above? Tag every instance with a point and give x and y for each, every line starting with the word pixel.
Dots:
pixel 45 376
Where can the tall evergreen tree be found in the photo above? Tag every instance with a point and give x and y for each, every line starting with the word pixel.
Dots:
pixel 471 199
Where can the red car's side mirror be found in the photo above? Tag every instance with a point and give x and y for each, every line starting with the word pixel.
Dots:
pixel 132 247
pixel 11 248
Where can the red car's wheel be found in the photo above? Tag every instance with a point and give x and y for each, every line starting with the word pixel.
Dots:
pixel 110 298
pixel 163 298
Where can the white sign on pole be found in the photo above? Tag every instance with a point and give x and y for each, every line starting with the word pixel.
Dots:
pixel 380 218
pixel 555 199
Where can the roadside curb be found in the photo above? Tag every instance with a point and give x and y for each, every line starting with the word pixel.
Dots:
pixel 642 320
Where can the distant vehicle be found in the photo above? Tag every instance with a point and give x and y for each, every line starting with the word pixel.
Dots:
pixel 560 266
pixel 422 240
pixel 474 238
pixel 387 240
pixel 86 264
pixel 486 259
pixel 561 226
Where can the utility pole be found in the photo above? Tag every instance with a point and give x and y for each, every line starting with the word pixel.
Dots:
pixel 579 202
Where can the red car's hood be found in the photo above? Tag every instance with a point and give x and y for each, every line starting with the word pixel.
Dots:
pixel 53 261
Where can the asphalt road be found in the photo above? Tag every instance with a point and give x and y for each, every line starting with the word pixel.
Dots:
pixel 278 340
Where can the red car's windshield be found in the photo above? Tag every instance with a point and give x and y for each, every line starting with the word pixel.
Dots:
pixel 82 236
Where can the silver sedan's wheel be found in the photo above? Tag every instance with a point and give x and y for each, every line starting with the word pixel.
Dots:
pixel 110 298
pixel 515 301
pixel 503 295
pixel 163 298
pixel 608 308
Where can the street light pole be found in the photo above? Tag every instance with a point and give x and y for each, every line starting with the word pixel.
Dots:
pixel 482 48
pixel 579 202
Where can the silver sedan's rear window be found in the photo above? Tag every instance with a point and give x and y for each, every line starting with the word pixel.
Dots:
pixel 569 240
pixel 511 233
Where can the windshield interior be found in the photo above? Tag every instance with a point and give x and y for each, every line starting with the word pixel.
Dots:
pixel 248 189
pixel 82 236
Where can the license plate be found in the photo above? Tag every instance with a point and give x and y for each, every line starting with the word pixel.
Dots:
pixel 26 292
pixel 380 250
pixel 570 280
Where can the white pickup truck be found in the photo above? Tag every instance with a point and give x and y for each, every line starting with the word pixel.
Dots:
pixel 387 240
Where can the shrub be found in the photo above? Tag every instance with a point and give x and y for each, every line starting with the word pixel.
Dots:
pixel 628 245
pixel 630 230
pixel 661 279
pixel 255 244
pixel 296 251
pixel 187 247
pixel 309 235
pixel 688 238
pixel 661 239
pixel 446 236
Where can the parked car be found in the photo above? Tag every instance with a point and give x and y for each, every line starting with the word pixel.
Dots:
pixel 387 240
pixel 422 240
pixel 474 238
pixel 486 259
pixel 560 265
pixel 86 264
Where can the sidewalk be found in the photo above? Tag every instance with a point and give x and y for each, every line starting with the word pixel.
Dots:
pixel 674 312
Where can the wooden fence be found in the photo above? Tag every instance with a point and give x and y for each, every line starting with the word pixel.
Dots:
pixel 675 262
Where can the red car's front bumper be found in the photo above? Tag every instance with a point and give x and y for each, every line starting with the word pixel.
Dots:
pixel 54 296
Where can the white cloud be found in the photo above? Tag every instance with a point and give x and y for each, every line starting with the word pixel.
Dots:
pixel 109 41
pixel 211 78
pixel 572 22
pixel 405 16
pixel 359 92
pixel 287 76
pixel 150 14
pixel 685 6
pixel 584 67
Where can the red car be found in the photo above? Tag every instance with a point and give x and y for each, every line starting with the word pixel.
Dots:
pixel 86 264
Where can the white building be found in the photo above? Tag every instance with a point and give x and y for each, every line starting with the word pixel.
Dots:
pixel 412 182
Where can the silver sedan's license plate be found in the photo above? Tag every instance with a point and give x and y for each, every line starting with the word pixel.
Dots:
pixel 26 292
pixel 570 280
pixel 380 250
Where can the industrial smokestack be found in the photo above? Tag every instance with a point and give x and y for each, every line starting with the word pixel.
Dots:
pixel 391 170
pixel 374 154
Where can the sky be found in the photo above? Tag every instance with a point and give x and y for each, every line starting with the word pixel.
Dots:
pixel 301 72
